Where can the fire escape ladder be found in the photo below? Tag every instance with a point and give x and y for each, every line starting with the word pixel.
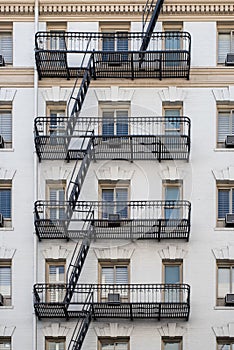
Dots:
pixel 75 268
pixel 82 325
pixel 153 20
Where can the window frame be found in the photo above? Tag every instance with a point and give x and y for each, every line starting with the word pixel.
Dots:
pixel 7 185
pixel 55 295
pixel 115 108
pixel 224 28
pixel 54 340
pixel 114 264
pixel 226 186
pixel 55 185
pixel 7 28
pixel 224 109
pixel 7 298
pixel 168 340
pixel 6 340
pixel 172 106
pixel 225 264
pixel 170 262
pixel 58 108
pixel 172 184
pixel 56 27
pixel 111 340
pixel 7 109
pixel 225 341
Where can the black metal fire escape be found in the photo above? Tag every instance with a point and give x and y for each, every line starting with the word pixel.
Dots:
pixel 85 156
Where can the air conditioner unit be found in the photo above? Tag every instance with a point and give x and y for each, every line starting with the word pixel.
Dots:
pixel 229 141
pixel 229 220
pixel 1 300
pixel 114 59
pixel 229 59
pixel 1 220
pixel 114 220
pixel 229 299
pixel 1 142
pixel 2 62
pixel 114 298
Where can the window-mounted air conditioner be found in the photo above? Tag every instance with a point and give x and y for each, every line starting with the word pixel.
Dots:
pixel 229 141
pixel 114 298
pixel 1 300
pixel 1 142
pixel 229 59
pixel 114 59
pixel 1 220
pixel 229 220
pixel 2 62
pixel 229 299
pixel 114 220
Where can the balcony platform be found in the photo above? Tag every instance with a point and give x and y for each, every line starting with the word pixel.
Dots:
pixel 144 220
pixel 168 55
pixel 145 138
pixel 154 301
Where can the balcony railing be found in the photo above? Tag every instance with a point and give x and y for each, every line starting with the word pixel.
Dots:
pixel 158 301
pixel 61 54
pixel 133 138
pixel 114 220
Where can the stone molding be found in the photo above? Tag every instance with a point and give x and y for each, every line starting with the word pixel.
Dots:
pixel 226 174
pixel 56 252
pixel 74 9
pixel 7 174
pixel 7 253
pixel 172 252
pixel 113 330
pixel 55 330
pixel 224 253
pixel 113 253
pixel 6 331
pixel 114 173
pixel 171 330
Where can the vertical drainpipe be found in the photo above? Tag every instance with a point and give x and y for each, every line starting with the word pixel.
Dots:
pixel 35 177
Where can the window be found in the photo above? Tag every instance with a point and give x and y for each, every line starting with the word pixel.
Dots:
pixel 57 40
pixel 225 43
pixel 114 39
pixel 5 282
pixel 114 197
pixel 172 124
pixel 225 202
pixel 225 125
pixel 6 127
pixel 225 343
pixel 114 122
pixel 57 113
pixel 5 203
pixel 6 43
pixel 172 343
pixel 225 281
pixel 172 193
pixel 173 274
pixel 114 273
pixel 5 343
pixel 56 195
pixel 55 343
pixel 113 344
pixel 172 42
pixel 55 274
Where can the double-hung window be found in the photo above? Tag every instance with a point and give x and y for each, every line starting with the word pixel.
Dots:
pixel 172 343
pixel 55 276
pixel 172 123
pixel 57 36
pixel 6 127
pixel 173 274
pixel 225 44
pixel 113 344
pixel 225 202
pixel 56 194
pixel 6 44
pixel 5 282
pixel 225 281
pixel 5 343
pixel 172 44
pixel 55 343
pixel 172 194
pixel 115 122
pixel 6 203
pixel 225 125
pixel 114 198
pixel 114 274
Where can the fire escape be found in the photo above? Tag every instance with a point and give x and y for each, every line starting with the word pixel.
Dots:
pixel 149 55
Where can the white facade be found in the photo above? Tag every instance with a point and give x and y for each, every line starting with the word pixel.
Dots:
pixel 209 89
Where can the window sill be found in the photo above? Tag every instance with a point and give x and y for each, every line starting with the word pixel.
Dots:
pixel 224 149
pixel 224 229
pixel 223 308
pixel 6 228
pixel 7 307
pixel 7 149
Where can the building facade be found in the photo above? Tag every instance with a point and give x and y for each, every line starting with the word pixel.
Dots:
pixel 116 175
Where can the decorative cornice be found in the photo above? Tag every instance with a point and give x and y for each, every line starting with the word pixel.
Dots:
pixel 172 94
pixel 56 252
pixel 224 331
pixel 172 253
pixel 56 330
pixel 224 253
pixel 120 8
pixel 7 174
pixel 113 253
pixel 113 330
pixel 171 330
pixel 114 173
pixel 6 331
pixel 55 94
pixel 7 253
pixel 56 172
pixel 226 174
